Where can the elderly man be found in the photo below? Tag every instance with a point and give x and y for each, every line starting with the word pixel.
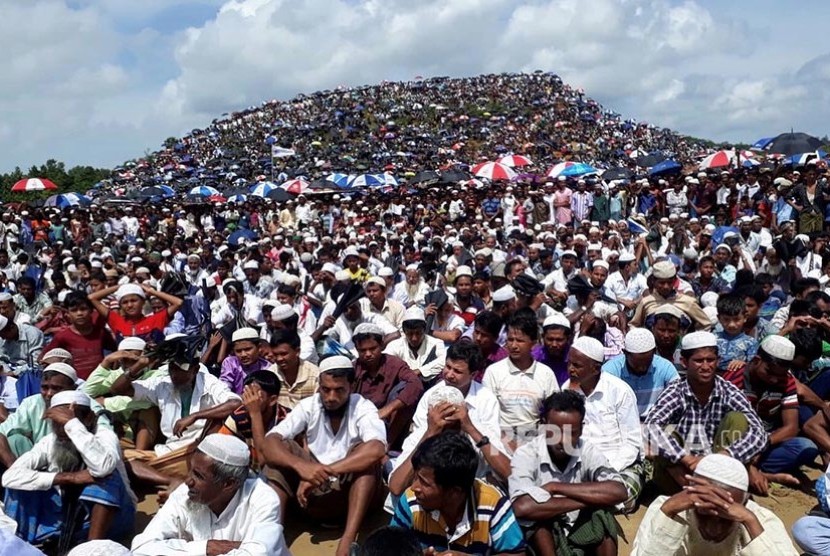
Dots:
pixel 93 499
pixel 413 290
pixel 219 509
pixel 423 353
pixel 663 291
pixel 713 516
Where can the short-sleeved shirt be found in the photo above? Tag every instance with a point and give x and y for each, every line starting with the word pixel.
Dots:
pixel 741 348
pixel 487 527
pixel 766 403
pixel 150 327
pixel 394 380
pixel 520 391
pixel 647 387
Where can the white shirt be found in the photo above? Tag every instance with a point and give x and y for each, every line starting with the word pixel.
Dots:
pixel 360 424
pixel 252 518
pixel 208 392
pixel 612 421
pixel 343 330
pixel 520 392
pixel 428 361
pixel 628 290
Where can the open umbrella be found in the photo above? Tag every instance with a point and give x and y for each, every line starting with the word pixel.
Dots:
pixel 493 171
pixel 280 195
pixel 241 233
pixel 295 187
pixel 719 159
pixel 762 143
pixel 238 198
pixel 650 160
pixel 571 169
pixel 67 200
pixel 515 160
pixel 33 184
pixel 665 167
pixel 454 176
pixel 341 180
pixel 203 191
pixel 612 174
pixel 157 191
pixel 263 189
pixel 367 180
pixel 425 177
pixel 793 143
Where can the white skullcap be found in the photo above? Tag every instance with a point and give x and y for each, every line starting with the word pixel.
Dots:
pixel 639 340
pixel 557 319
pixel 377 280
pixel 412 267
pixel 505 293
pixel 445 393
pixel 626 258
pixel 250 265
pixel 414 313
pixel 712 313
pixel 63 369
pixel 69 397
pixel 100 547
pixel 132 343
pixel 142 270
pixel 368 328
pixel 697 340
pixel 282 312
pixel 306 257
pixel 129 289
pixel 5 296
pixel 600 264
pixel 335 362
pixel 226 448
pixel 59 353
pixel 568 253
pixel 664 270
pixel 669 309
pixel 779 347
pixel 594 246
pixel 342 275
pixel 725 470
pixel 709 299
pixel 386 272
pixel 245 333
pixel 590 347
pixel 331 268
pixel 291 279
pixel 690 253
pixel 463 270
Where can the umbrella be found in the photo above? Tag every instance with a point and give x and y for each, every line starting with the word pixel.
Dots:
pixel 33 184
pixel 280 194
pixel 263 189
pixel 322 186
pixel 242 233
pixel 389 180
pixel 157 191
pixel 217 199
pixel 665 167
pixel 340 180
pixel 650 160
pixel 351 296
pixel 425 176
pixel 203 191
pixel 617 174
pixel 804 158
pixel 493 171
pixel 762 143
pixel 238 199
pixel 367 180
pixel 571 169
pixel 454 176
pixel 295 187
pixel 67 200
pixel 515 160
pixel 718 159
pixel 793 143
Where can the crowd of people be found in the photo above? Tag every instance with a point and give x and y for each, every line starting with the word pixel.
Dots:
pixel 503 367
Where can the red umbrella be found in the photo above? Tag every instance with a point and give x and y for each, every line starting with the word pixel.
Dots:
pixel 515 160
pixel 33 184
pixel 217 199
pixel 493 171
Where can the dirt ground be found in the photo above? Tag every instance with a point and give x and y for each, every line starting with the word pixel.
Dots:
pixel 305 540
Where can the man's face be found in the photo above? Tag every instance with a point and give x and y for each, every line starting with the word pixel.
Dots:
pixel 369 352
pixel 666 332
pixel 732 324
pixel 457 373
pixel 772 373
pixel 716 529
pixel 563 431
pixel 639 363
pixel 598 276
pixel 581 368
pixel 707 269
pixel 246 351
pixel 202 485
pixel 193 265
pixel 464 286
pixel 7 309
pixel 412 277
pixel 252 275
pixel 131 305
pixel 414 336
pixel 376 294
pixel 54 384
pixel 568 264
pixel 27 291
pixel 518 344
pixel 664 286
pixel 285 298
pixel 80 315
pixel 701 365
pixel 334 392
pixel 429 495
pixel 555 340
pixel 352 312
pixel 285 356
pixel 180 376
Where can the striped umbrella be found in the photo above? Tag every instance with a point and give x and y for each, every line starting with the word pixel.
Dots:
pixel 493 171
pixel 342 180
pixel 203 191
pixel 68 200
pixel 515 160
pixel 33 184
pixel 263 189
pixel 295 187
pixel 720 159
pixel 570 169
pixel 367 180
pixel 238 199
pixel 389 180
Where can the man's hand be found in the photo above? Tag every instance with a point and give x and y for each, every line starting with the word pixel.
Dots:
pixel 328 322
pixel 315 473
pixel 303 491
pixel 718 502
pixel 758 481
pixel 462 416
pixel 253 398
pixel 690 462
pixel 217 548
pixel 61 414
pixel 182 425
pixel 438 417
pixel 431 309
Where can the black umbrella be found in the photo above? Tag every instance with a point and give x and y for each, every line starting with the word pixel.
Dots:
pixel 650 160
pixel 617 174
pixel 352 295
pixel 794 143
pixel 437 298
pixel 281 195
pixel 453 176
pixel 426 176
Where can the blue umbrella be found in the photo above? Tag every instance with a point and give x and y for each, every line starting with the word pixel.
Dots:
pixel 665 167
pixel 578 169
pixel 804 158
pixel 341 180
pixel 263 189
pixel 367 180
pixel 203 191
pixel 242 233
pixel 237 199
pixel 762 143
pixel 67 200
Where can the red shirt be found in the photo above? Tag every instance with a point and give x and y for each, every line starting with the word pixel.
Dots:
pixel 149 328
pixel 767 403
pixel 87 350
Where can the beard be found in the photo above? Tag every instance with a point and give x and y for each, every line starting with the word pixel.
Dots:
pixel 728 545
pixel 66 457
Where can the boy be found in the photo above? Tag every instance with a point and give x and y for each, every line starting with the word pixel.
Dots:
pixel 735 348
pixel 245 360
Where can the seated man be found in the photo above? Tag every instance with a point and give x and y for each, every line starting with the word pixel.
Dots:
pixel 220 509
pixel 92 499
pixel 284 317
pixel 664 292
pixel 642 369
pixel 20 344
pixel 698 415
pixel 556 341
pixel 770 387
pixel 340 330
pixel 456 403
pixel 298 377
pixel 244 360
pixel 612 422
pixel 423 353
pixel 714 515
pixel 339 471
pixel 563 487
pixel 450 510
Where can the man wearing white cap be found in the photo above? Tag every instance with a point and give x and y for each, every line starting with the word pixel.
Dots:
pixel 376 302
pixel 424 353
pixel 556 342
pixel 714 516
pixel 627 284
pixel 219 509
pixel 244 360
pixel 664 274
pixel 77 453
pixel 699 415
pixel 21 344
pixel 255 283
pixel 413 289
pixel 612 421
pixel 642 369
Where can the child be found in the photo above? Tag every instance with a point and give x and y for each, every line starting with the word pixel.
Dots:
pixel 245 360
pixel 754 298
pixel 735 348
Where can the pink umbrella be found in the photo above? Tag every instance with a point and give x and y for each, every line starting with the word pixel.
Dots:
pixel 295 187
pixel 515 160
pixel 493 171
pixel 33 184
pixel 722 159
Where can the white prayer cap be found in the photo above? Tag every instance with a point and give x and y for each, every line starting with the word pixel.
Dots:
pixel 445 393
pixel 291 279
pixel 129 289
pixel 414 313
pixel 57 353
pixel 709 299
pixel 600 264
pixel 251 265
pixel 412 267
pixel 669 309
pixel 132 343
pixel 557 319
pixel 590 347
pixel 568 253
pixel 69 397
pixel 690 253
pixel 505 293
pixel 101 547
pixel 712 313
pixel 377 280
pixel 350 252
pixel 282 312
pixel 63 369
pixel 342 275
pixel 639 340
pixel 226 448
pixel 142 270
pixel 386 272
pixel 594 246
pixel 664 270
pixel 335 362
pixel 463 270
pixel 245 333
pixel 368 328
pixel 5 296
pixel 725 470
pixel 723 246
pixel 626 258
pixel 779 347
pixel 697 340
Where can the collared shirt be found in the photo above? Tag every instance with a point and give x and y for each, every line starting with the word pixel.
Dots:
pixel 392 311
pixel 101 380
pixel 428 360
pixel 234 373
pixel 647 387
pixel 180 528
pixel 360 424
pixel 630 289
pixel 27 347
pixel 34 308
pixel 740 347
pixel 661 535
pixel 208 392
pixel 305 385
pixel 768 402
pixel 532 469
pixel 612 422
pixel 697 423
pixel 28 420
pixel 394 380
pixel 487 527
pixel 520 391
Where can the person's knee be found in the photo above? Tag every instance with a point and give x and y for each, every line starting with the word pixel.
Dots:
pixel 812 534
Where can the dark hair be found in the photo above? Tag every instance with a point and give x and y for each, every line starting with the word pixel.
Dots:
pixel 341 372
pixel 817 295
pixel 706 259
pixel 743 277
pixel 483 276
pixel 666 317
pixel 451 457
pixel 686 353
pixel 754 292
pixel 267 380
pixel 285 336
pixel 807 343
pixel 392 540
pixel 731 305
pixel 414 325
pixel 489 322
pixel 285 289
pixel 566 400
pixel 508 268
pixel 97 275
pixel 764 279
pixel 525 325
pixel 77 299
pixel 363 336
pixel 52 374
pixel 803 284
pixel 26 281
pixel 465 350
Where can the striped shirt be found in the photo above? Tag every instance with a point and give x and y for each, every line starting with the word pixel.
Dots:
pixel 487 527
pixel 768 403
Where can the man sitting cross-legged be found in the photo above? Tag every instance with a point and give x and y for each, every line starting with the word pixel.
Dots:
pixel 339 471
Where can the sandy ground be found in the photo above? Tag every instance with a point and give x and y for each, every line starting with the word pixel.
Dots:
pixel 788 505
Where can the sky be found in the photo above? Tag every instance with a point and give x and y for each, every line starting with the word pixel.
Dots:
pixel 99 82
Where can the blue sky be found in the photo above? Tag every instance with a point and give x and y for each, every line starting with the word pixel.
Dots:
pixel 101 81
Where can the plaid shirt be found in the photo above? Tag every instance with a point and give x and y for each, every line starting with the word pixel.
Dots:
pixel 697 424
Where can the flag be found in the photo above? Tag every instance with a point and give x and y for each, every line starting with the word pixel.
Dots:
pixel 281 152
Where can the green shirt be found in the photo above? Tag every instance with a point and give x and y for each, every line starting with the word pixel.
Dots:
pixel 28 419
pixel 100 382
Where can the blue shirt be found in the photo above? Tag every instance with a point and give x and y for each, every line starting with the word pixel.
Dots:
pixel 648 387
pixel 740 347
